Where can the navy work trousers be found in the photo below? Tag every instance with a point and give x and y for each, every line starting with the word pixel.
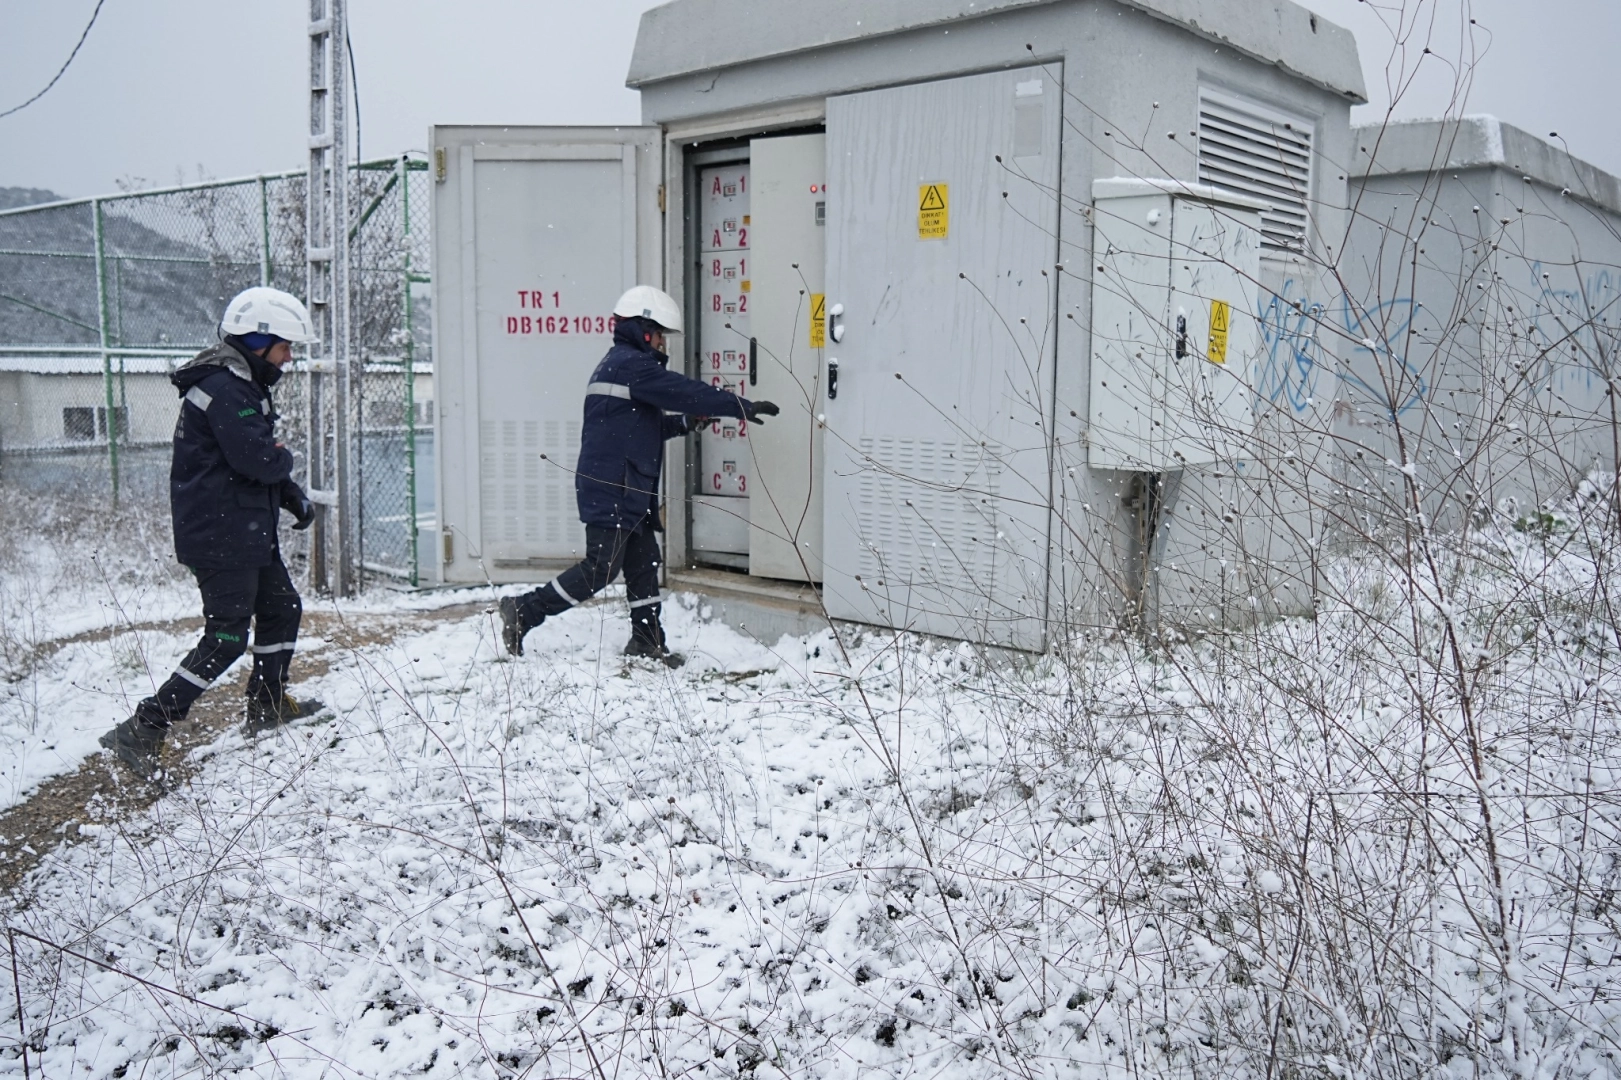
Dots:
pixel 607 552
pixel 264 597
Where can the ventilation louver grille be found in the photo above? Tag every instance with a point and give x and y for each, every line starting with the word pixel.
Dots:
pixel 1264 157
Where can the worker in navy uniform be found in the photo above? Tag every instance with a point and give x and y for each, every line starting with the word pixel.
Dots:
pixel 228 483
pixel 633 403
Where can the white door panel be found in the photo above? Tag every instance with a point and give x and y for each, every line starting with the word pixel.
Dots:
pixel 1215 273
pixel 1173 330
pixel 789 212
pixel 725 464
pixel 537 231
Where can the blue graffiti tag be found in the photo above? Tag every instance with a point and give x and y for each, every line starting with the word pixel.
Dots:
pixel 1582 317
pixel 1586 318
pixel 1287 368
pixel 1382 329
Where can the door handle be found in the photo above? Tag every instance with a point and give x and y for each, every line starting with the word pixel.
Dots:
pixel 835 324
pixel 754 361
pixel 832 377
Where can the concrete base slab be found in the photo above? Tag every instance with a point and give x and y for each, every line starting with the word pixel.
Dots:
pixel 761 608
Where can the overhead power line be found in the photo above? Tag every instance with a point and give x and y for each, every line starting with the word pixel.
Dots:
pixel 63 70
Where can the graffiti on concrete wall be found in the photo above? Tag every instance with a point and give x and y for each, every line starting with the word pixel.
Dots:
pixel 1378 366
pixel 1581 323
pixel 1575 332
pixel 1292 357
pixel 1286 373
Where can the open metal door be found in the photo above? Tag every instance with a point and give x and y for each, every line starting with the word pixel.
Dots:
pixel 785 360
pixel 536 232
pixel 941 248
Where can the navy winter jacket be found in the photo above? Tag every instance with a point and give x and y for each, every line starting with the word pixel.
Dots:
pixel 622 441
pixel 229 479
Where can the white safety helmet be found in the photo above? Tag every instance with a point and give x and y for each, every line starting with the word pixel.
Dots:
pixel 655 305
pixel 262 310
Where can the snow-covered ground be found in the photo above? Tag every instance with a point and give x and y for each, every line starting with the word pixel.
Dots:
pixel 1314 847
pixel 890 857
pixel 83 637
pixel 76 646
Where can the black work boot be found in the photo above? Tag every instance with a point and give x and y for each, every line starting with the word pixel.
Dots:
pixel 647 638
pixel 268 714
pixel 513 625
pixel 137 742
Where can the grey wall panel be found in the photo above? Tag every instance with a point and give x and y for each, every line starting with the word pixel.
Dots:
pixel 1486 317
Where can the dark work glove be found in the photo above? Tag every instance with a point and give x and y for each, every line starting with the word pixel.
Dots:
pixel 757 409
pixel 295 502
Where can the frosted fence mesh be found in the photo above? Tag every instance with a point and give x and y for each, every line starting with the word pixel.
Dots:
pixel 101 298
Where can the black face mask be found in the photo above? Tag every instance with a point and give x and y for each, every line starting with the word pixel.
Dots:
pixel 267 373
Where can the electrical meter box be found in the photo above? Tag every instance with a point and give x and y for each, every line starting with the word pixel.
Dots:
pixel 1176 272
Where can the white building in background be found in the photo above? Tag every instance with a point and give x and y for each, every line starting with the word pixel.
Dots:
pixel 59 402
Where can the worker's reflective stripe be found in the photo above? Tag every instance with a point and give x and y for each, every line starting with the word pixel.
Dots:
pixel 608 389
pixel 200 398
pixel 195 680
pixel 557 587
pixel 649 602
pixel 283 646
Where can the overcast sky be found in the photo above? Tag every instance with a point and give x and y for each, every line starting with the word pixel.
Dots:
pixel 165 89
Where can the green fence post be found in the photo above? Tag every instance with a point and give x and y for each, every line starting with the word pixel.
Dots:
pixel 106 355
pixel 264 233
pixel 410 375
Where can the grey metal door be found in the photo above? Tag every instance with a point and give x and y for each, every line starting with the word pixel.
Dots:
pixel 943 235
pixel 537 231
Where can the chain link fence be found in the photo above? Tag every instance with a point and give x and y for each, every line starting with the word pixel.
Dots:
pixel 100 299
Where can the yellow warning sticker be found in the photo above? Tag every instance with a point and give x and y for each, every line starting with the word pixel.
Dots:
pixel 933 211
pixel 818 320
pixel 745 285
pixel 1220 317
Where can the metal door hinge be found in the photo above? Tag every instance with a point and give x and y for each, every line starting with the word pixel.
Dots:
pixel 661 198
pixel 439 164
pixel 447 536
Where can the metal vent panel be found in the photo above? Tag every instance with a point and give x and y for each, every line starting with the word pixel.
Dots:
pixel 528 500
pixel 1249 149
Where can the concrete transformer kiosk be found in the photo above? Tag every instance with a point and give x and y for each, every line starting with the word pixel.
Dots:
pixel 1042 287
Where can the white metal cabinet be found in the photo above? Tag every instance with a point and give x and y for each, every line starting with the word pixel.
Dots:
pixel 789 212
pixel 1176 270
pixel 537 231
pixel 943 225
